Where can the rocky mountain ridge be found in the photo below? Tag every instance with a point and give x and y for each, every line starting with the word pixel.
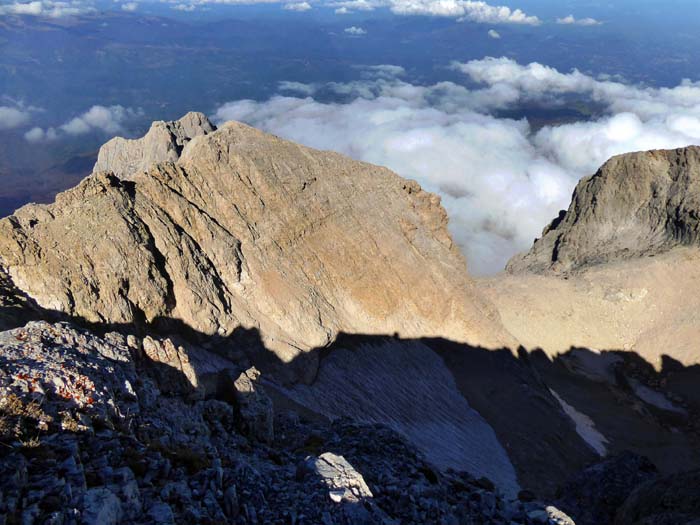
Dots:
pixel 164 142
pixel 243 231
pixel 265 318
pixel 636 205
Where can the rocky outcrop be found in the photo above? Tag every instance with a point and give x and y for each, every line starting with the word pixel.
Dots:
pixel 15 308
pixel 594 495
pixel 164 142
pixel 245 232
pixel 666 500
pixel 637 204
pixel 254 406
pixel 619 268
pixel 88 436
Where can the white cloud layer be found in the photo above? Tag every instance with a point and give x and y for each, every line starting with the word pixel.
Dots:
pixel 47 8
pixel 571 20
pixel 13 117
pixel 355 31
pixel 37 134
pixel 107 120
pixel 501 181
pixel 465 10
pixel 298 6
pixel 474 11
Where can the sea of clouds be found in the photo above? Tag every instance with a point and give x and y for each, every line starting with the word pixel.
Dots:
pixel 501 181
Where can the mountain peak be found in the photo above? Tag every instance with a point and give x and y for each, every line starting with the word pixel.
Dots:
pixel 636 205
pixel 164 142
pixel 239 229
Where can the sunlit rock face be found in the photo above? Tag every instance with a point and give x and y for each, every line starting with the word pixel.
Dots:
pixel 216 230
pixel 619 269
pixel 164 142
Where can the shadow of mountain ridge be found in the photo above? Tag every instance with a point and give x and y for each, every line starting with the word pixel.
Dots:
pixel 511 389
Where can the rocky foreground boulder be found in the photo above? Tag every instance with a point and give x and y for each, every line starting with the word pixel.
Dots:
pixel 89 436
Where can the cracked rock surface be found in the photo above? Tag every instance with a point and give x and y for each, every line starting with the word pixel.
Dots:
pixel 89 437
pixel 637 204
pixel 239 229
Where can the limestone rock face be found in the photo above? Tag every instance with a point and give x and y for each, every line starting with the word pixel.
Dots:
pixel 15 308
pixel 637 204
pixel 163 142
pixel 178 373
pixel 242 231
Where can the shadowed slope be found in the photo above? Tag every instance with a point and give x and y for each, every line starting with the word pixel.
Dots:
pixel 405 385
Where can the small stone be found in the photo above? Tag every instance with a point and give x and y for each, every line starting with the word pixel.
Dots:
pixel 102 507
pixel 557 517
pixel 255 407
pixel 161 514
pixel 337 495
pixel 538 516
pixel 230 504
pixel 344 482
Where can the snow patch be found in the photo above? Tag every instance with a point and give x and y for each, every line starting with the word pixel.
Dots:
pixel 654 398
pixel 584 426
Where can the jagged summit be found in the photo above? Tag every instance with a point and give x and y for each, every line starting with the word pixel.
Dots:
pixel 637 204
pixel 233 228
pixel 164 142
